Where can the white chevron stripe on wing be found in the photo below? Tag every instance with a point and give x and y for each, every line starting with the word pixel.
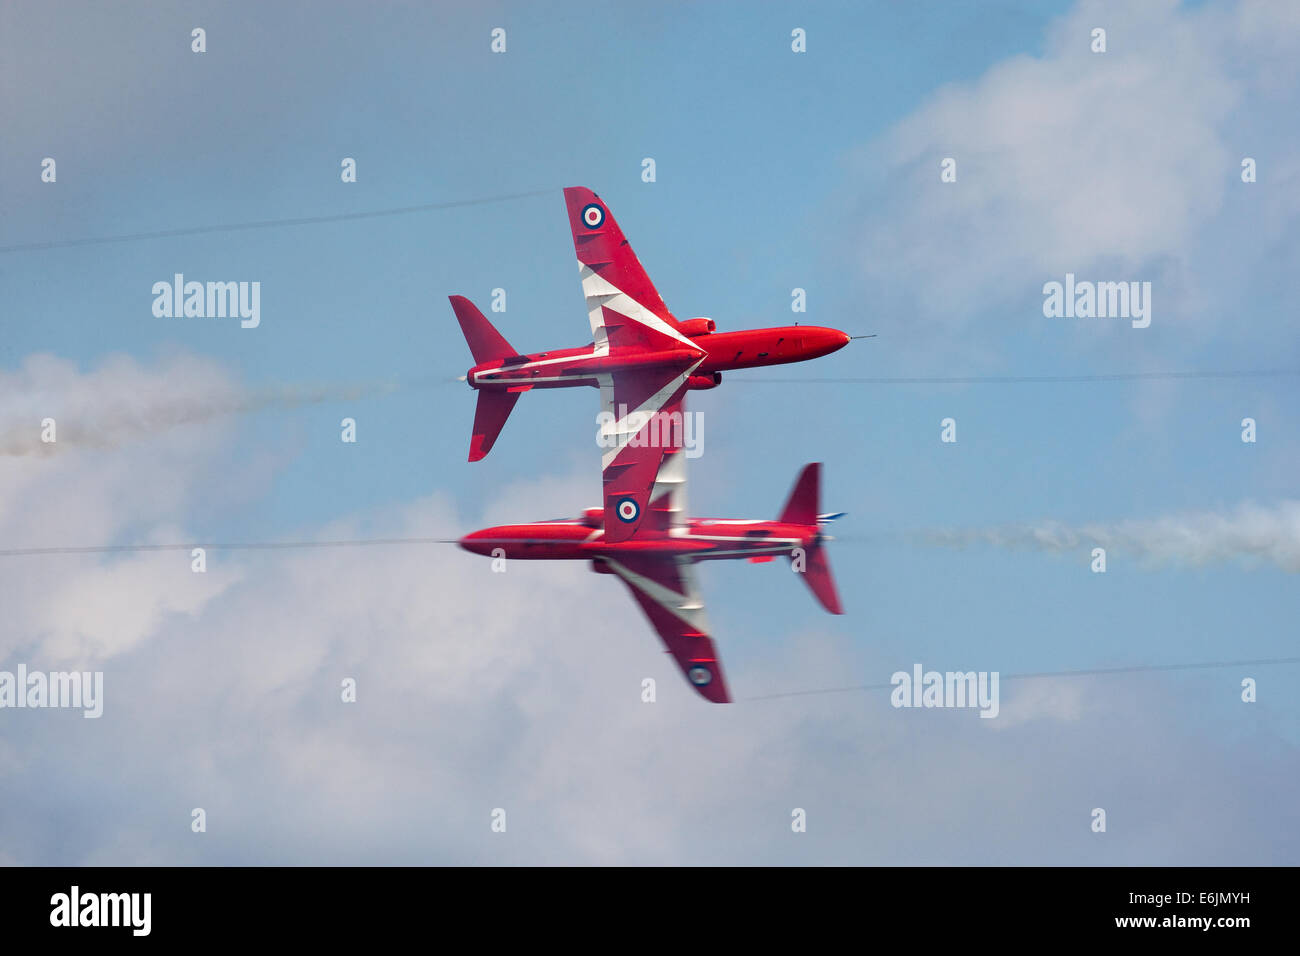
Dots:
pixel 671 480
pixel 688 606
pixel 601 294
pixel 621 430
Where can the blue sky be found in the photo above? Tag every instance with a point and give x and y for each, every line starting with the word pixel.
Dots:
pixel 775 170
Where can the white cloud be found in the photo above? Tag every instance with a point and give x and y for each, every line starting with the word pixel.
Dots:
pixel 120 401
pixel 1023 701
pixel 1112 166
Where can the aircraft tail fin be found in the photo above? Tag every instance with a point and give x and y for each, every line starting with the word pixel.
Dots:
pixel 489 418
pixel 485 342
pixel 801 508
pixel 817 575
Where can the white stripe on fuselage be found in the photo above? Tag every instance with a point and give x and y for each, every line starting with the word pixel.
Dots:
pixel 514 379
pixel 537 363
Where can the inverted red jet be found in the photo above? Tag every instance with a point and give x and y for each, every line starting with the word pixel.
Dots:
pixel 642 358
pixel 657 563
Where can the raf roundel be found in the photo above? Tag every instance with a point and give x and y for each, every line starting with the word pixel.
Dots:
pixel 628 510
pixel 699 675
pixel 593 216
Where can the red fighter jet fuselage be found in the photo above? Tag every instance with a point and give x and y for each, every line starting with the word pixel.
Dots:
pixel 720 351
pixel 657 562
pixel 582 539
pixel 641 356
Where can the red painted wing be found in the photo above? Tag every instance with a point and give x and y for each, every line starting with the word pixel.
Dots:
pixel 641 421
pixel 602 247
pixel 666 589
pixel 623 306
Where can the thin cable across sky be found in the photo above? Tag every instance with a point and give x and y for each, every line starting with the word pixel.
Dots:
pixel 1085 672
pixel 270 223
pixel 219 546
pixel 1027 379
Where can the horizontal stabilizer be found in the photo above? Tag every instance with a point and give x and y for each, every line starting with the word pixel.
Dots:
pixel 485 342
pixel 489 418
pixel 817 575
pixel 801 507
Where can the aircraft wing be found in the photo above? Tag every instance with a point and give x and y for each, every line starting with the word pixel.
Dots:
pixel 667 590
pixel 624 307
pixel 642 433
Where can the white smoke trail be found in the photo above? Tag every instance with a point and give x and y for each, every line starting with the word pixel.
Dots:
pixel 1269 533
pixel 122 402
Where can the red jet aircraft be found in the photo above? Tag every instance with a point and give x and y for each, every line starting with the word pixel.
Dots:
pixel 642 358
pixel 657 563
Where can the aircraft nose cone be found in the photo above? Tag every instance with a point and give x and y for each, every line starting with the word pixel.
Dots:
pixel 474 543
pixel 835 340
pixel 825 341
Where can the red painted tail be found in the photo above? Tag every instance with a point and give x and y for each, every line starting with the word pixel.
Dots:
pixel 489 418
pixel 817 575
pixel 801 508
pixel 485 342
pixel 487 345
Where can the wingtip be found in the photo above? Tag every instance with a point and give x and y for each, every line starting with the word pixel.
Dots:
pixel 715 695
